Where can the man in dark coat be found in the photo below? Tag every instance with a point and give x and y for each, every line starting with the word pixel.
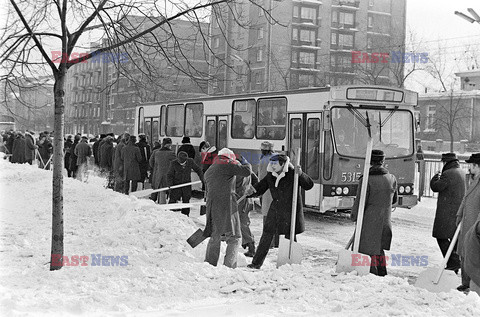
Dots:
pixel 18 149
pixel 223 222
pixel 450 186
pixel 30 147
pixel 96 149
pixel 145 152
pixel 73 156
pixel 241 185
pixel 83 151
pixel 279 180
pixel 160 163
pixel 472 256
pixel 208 154
pixel 118 163
pixel 376 234
pixel 179 172
pixel 131 158
pixel 187 147
pixel 45 149
pixel 468 213
pixel 106 160
pixel 67 150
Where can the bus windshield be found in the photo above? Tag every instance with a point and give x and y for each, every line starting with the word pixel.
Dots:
pixel 392 132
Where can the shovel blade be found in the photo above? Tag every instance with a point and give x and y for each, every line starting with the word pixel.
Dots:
pixel 447 282
pixel 196 238
pixel 295 257
pixel 344 264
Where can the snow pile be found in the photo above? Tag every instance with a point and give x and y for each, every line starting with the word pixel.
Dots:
pixel 164 275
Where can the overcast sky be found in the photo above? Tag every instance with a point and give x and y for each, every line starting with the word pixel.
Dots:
pixel 433 22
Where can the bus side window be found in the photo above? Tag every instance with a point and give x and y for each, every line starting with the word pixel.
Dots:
pixel 272 114
pixel 163 117
pixel 193 126
pixel 141 119
pixel 175 120
pixel 243 122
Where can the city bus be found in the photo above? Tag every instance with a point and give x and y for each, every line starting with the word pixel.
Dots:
pixel 326 123
pixel 7 123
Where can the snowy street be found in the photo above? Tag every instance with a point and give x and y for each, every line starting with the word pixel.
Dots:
pixel 153 271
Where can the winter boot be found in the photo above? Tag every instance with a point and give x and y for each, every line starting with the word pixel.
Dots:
pixel 251 250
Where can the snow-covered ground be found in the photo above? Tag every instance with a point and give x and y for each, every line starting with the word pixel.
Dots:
pixel 164 276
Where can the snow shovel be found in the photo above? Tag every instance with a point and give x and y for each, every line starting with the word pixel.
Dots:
pixel 146 192
pixel 345 256
pixel 196 238
pixel 290 251
pixel 435 279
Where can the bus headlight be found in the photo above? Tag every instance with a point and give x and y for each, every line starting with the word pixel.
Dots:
pixel 401 189
pixel 345 190
pixel 338 191
pixel 408 189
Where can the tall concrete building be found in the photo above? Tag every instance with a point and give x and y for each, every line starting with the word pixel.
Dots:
pixel 277 45
pixel 101 94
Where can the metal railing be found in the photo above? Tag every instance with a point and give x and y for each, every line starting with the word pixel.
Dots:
pixel 426 169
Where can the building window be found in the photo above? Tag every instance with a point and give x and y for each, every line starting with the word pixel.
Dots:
pixel 294 56
pixel 260 34
pixel 193 126
pixel 216 42
pixel 307 58
pixel 345 40
pixel 430 122
pixel 295 11
pixel 243 123
pixel 307 36
pixel 346 18
pixel 260 12
pixel 369 43
pixel 308 13
pixel 334 39
pixel 370 22
pixel 259 55
pixel 294 34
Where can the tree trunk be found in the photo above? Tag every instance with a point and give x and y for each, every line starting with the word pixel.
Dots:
pixel 57 197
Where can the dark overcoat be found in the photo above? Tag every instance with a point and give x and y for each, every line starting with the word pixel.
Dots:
pixel 29 146
pixel 145 152
pixel 472 252
pixel 131 158
pixel 468 212
pixel 181 174
pixel 381 193
pixel 83 151
pixel 450 187
pixel 117 160
pixel 18 151
pixel 279 216
pixel 160 162
pixel 220 193
pixel 73 157
pixel 187 148
pixel 67 148
pixel 106 155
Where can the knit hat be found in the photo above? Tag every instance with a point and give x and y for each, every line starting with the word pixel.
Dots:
pixel 267 145
pixel 182 156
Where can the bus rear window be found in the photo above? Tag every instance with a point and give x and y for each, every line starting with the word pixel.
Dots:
pixel 272 114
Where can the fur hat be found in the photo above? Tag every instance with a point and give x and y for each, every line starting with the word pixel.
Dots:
pixel 186 139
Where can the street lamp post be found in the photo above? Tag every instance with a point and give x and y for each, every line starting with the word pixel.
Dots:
pixel 476 17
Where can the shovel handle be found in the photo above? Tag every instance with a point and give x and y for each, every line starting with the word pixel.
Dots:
pixel 449 252
pixel 294 203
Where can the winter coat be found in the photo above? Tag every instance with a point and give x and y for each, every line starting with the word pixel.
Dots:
pixel 117 160
pixel 106 155
pixel 67 148
pixel 29 147
pixel 468 212
pixel 376 234
pixel 73 157
pixel 221 199
pixel 160 163
pixel 187 148
pixel 131 158
pixel 145 152
pixel 450 187
pixel 279 214
pixel 472 252
pixel 18 151
pixel 82 151
pixel 208 157
pixel 45 149
pixel 181 174
pixel 262 172
pixel 96 151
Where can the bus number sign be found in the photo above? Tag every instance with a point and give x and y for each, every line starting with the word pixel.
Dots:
pixel 350 177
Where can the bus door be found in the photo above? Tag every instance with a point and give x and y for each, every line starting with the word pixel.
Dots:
pixel 304 131
pixel 216 131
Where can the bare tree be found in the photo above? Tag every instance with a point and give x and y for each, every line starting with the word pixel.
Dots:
pixel 33 28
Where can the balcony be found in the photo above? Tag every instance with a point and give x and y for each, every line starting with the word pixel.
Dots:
pixel 342 69
pixel 347 4
pixel 342 48
pixel 345 26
